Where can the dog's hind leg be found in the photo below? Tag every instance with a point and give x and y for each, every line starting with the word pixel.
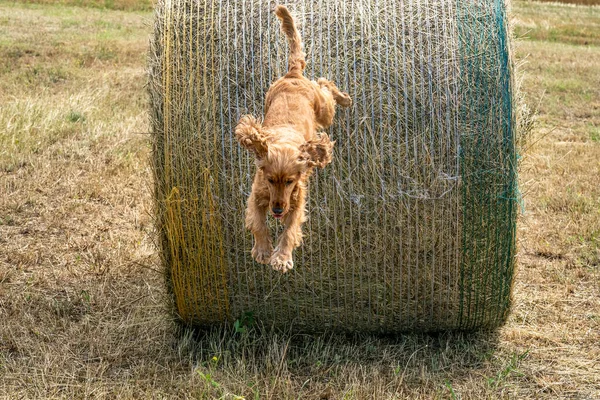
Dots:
pixel 341 98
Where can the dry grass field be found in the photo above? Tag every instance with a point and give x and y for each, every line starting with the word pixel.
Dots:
pixel 586 2
pixel 83 309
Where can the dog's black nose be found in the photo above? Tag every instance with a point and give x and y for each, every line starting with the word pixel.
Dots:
pixel 277 210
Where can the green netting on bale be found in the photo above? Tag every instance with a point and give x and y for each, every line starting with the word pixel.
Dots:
pixel 488 164
pixel 412 227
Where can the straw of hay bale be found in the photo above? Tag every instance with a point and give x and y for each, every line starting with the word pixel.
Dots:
pixel 412 227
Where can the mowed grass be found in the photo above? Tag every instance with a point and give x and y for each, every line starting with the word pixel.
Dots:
pixel 581 2
pixel 128 5
pixel 83 309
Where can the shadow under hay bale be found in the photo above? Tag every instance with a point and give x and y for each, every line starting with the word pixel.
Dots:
pixel 412 227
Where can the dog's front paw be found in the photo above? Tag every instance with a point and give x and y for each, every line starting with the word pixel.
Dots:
pixel 282 262
pixel 262 254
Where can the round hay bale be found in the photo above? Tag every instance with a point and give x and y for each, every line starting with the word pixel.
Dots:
pixel 412 227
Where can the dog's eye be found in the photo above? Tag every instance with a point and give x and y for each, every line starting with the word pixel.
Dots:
pixel 289 182
pixel 271 180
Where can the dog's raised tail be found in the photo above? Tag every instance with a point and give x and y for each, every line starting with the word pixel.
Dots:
pixel 297 60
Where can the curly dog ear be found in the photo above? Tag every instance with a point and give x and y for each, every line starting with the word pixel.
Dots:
pixel 251 136
pixel 318 152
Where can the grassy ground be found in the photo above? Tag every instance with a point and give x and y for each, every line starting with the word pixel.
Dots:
pixel 586 2
pixel 83 312
pixel 128 5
